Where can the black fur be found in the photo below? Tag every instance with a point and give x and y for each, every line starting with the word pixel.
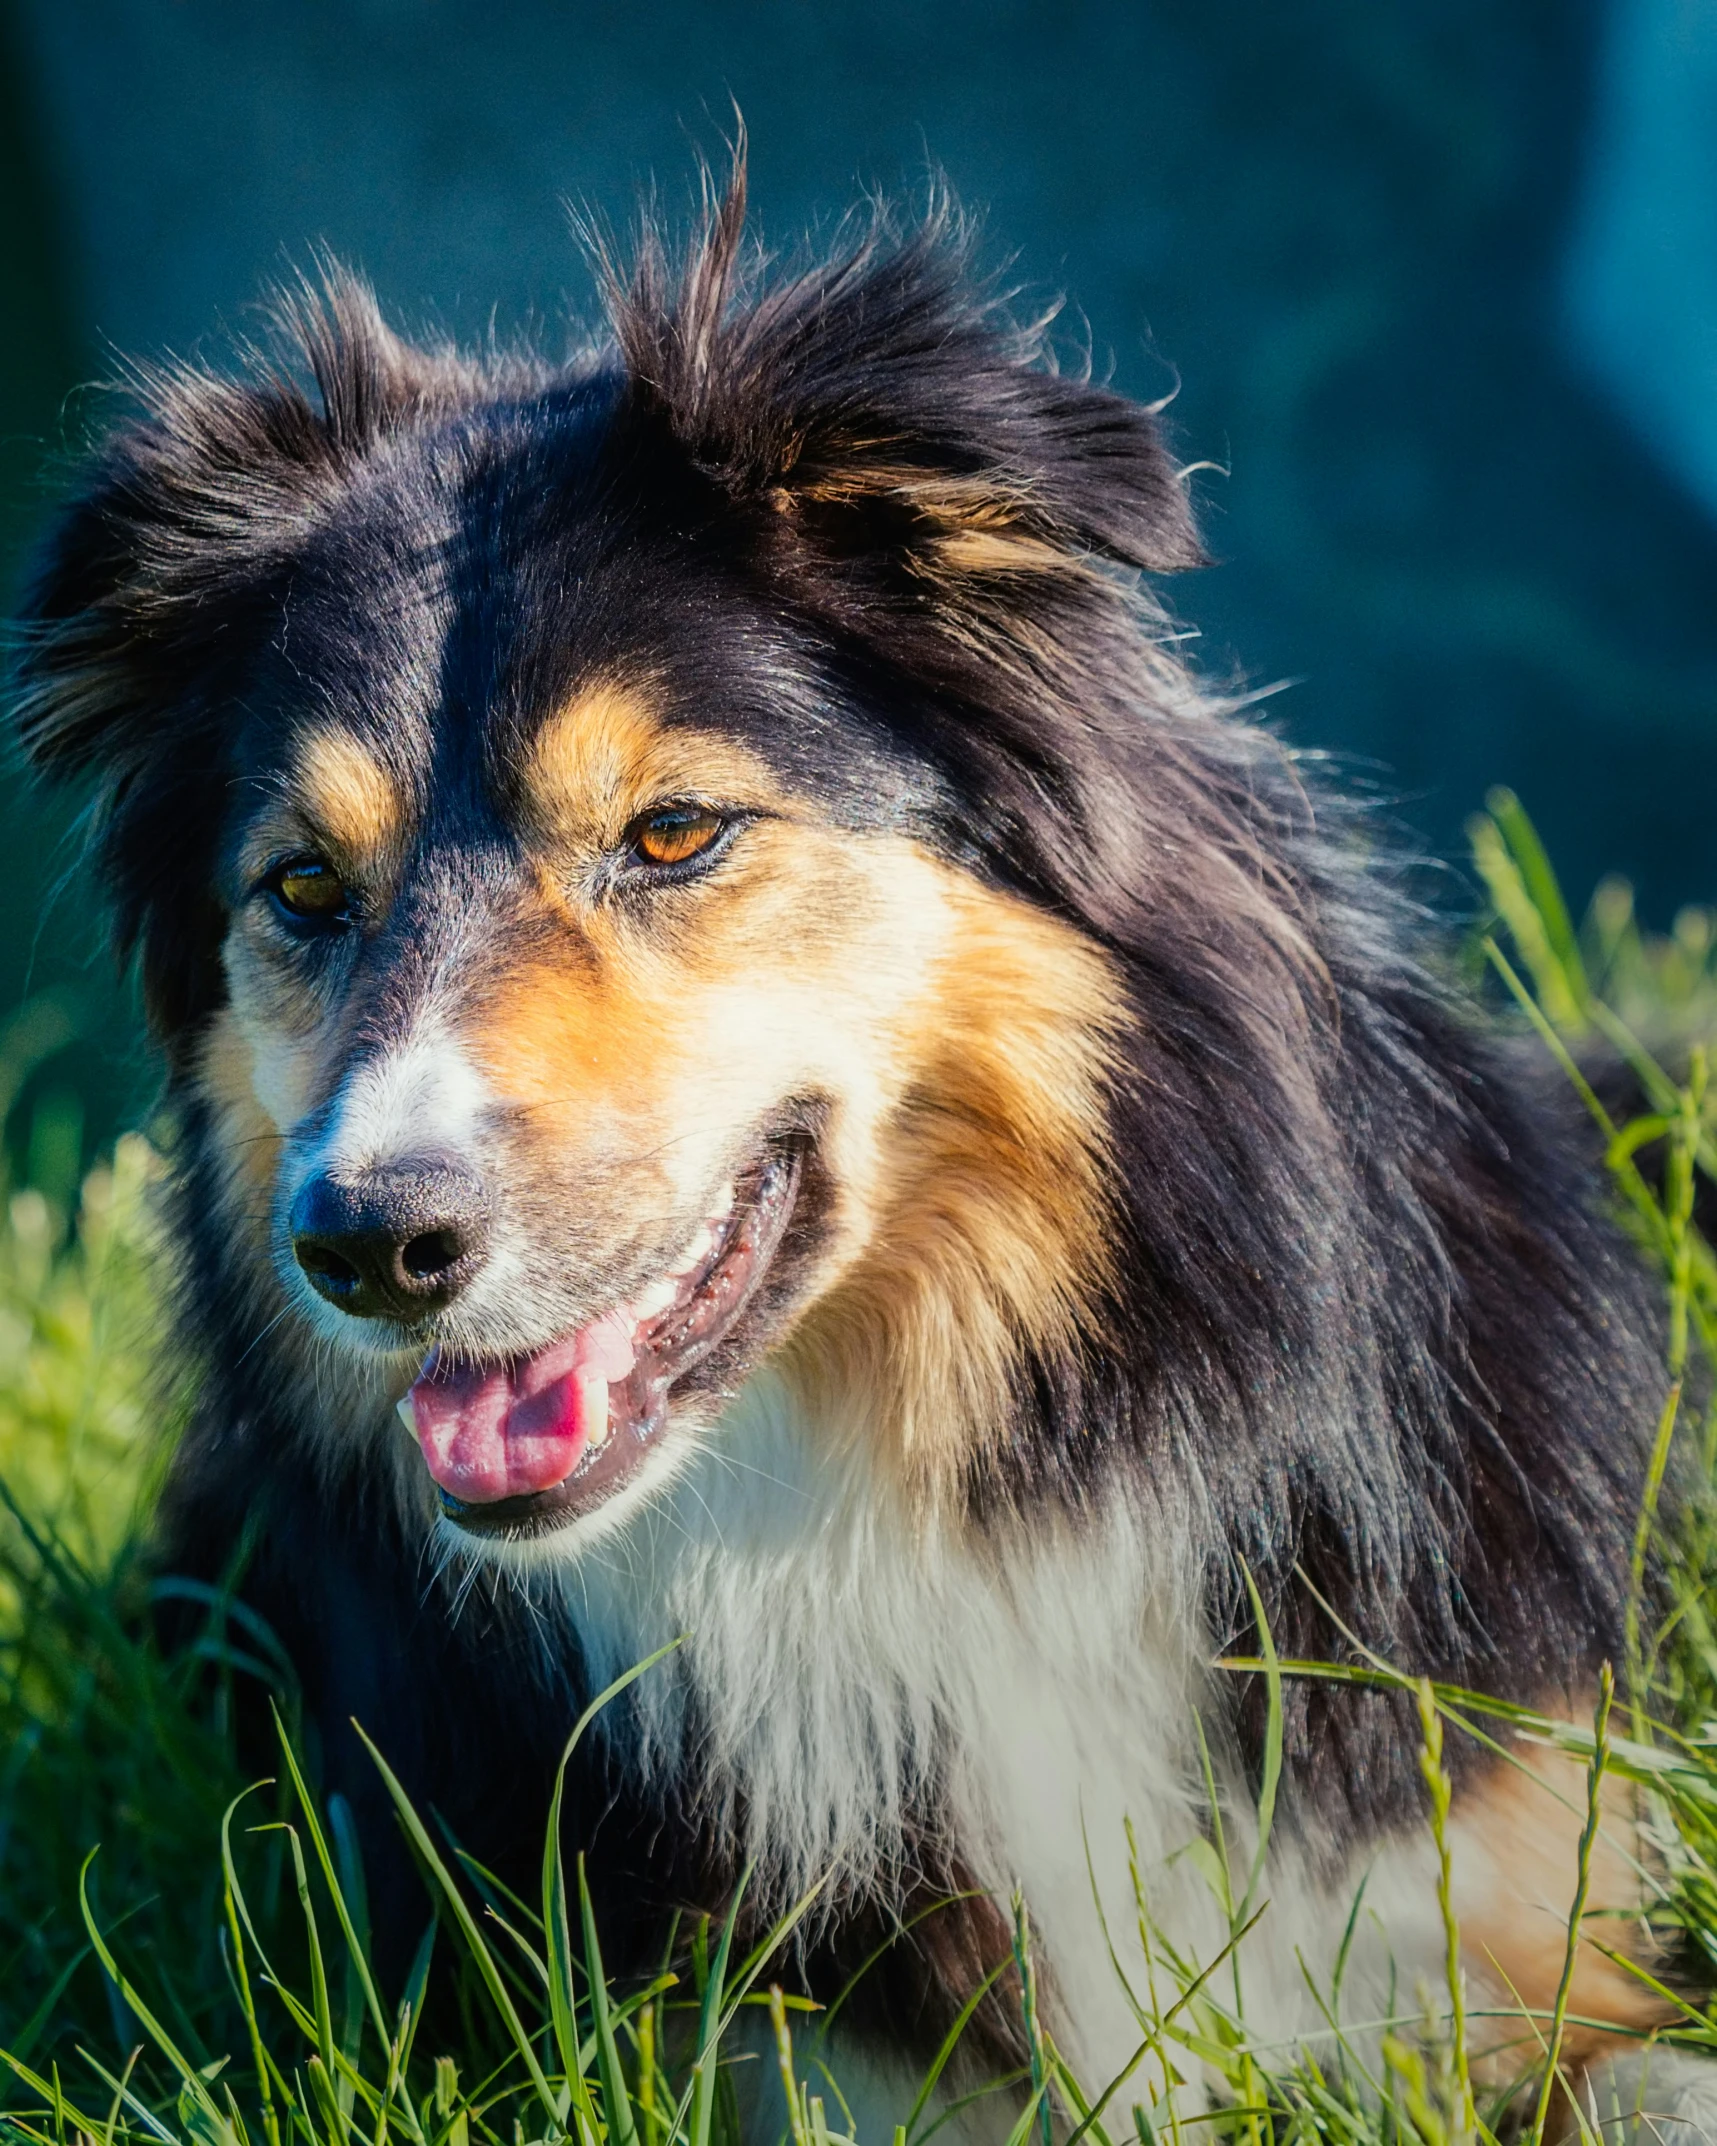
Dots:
pixel 1377 1333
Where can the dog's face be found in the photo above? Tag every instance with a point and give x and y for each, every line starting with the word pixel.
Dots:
pixel 585 1033
pixel 590 951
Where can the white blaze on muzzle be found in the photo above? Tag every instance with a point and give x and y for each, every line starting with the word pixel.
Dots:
pixel 423 1095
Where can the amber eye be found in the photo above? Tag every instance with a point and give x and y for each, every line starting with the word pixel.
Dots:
pixel 676 834
pixel 310 890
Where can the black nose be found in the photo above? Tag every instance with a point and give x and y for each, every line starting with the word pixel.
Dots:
pixel 396 1242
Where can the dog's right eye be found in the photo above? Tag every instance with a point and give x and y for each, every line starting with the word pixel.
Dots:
pixel 308 890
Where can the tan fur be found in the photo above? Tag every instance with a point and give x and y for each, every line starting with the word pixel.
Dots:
pixel 958 501
pixel 986 1201
pixel 999 551
pixel 336 797
pixel 601 760
pixel 1515 1844
pixel 980 528
pixel 348 797
pixel 243 1129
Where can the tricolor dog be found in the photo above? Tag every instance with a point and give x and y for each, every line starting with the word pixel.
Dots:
pixel 756 1056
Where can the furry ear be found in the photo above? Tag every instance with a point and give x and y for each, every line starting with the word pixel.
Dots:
pixel 157 583
pixel 189 510
pixel 885 403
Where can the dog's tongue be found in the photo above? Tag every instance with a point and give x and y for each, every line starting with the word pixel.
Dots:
pixel 515 1428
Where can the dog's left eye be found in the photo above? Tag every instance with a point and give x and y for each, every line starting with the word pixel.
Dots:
pixel 674 834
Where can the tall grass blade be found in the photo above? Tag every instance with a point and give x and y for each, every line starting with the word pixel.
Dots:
pixel 360 1984
pixel 1529 900
pixel 621 2124
pixel 950 2042
pixel 702 2089
pixel 356 1941
pixel 1441 1790
pixel 230 1901
pixel 1577 1913
pixel 482 1958
pixel 784 2064
pixel 189 2076
pixel 557 1935
pixel 1271 1772
pixel 1028 2008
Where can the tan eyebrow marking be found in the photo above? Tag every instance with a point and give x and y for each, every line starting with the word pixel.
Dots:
pixel 607 755
pixel 348 794
pixel 591 761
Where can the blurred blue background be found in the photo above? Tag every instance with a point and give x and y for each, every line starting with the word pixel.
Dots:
pixel 1438 279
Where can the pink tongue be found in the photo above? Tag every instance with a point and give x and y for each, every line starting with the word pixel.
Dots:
pixel 502 1432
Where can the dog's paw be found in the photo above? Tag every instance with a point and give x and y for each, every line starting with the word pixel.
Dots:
pixel 1652 2097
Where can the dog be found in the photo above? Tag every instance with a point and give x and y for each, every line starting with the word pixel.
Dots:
pixel 757 1060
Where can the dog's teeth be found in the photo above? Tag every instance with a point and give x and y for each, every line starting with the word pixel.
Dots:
pixel 723 1203
pixel 696 1252
pixel 654 1300
pixel 596 1400
pixel 403 1409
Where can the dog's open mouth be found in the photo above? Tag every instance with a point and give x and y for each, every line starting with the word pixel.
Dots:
pixel 526 1444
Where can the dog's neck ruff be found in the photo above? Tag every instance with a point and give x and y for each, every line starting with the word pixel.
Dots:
pixel 843 1656
pixel 866 1697
pixel 861 1695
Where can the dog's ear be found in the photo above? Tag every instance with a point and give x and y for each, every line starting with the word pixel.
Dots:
pixel 154 588
pixel 886 407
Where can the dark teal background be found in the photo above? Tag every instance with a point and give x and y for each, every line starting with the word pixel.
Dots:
pixel 1396 256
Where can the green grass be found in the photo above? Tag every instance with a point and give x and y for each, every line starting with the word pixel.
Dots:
pixel 184 1952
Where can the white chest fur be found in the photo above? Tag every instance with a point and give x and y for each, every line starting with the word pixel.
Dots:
pixel 847 1668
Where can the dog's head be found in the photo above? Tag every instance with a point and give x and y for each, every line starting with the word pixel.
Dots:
pixel 617 852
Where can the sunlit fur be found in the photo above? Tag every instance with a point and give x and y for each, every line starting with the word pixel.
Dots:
pixel 1169 1225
